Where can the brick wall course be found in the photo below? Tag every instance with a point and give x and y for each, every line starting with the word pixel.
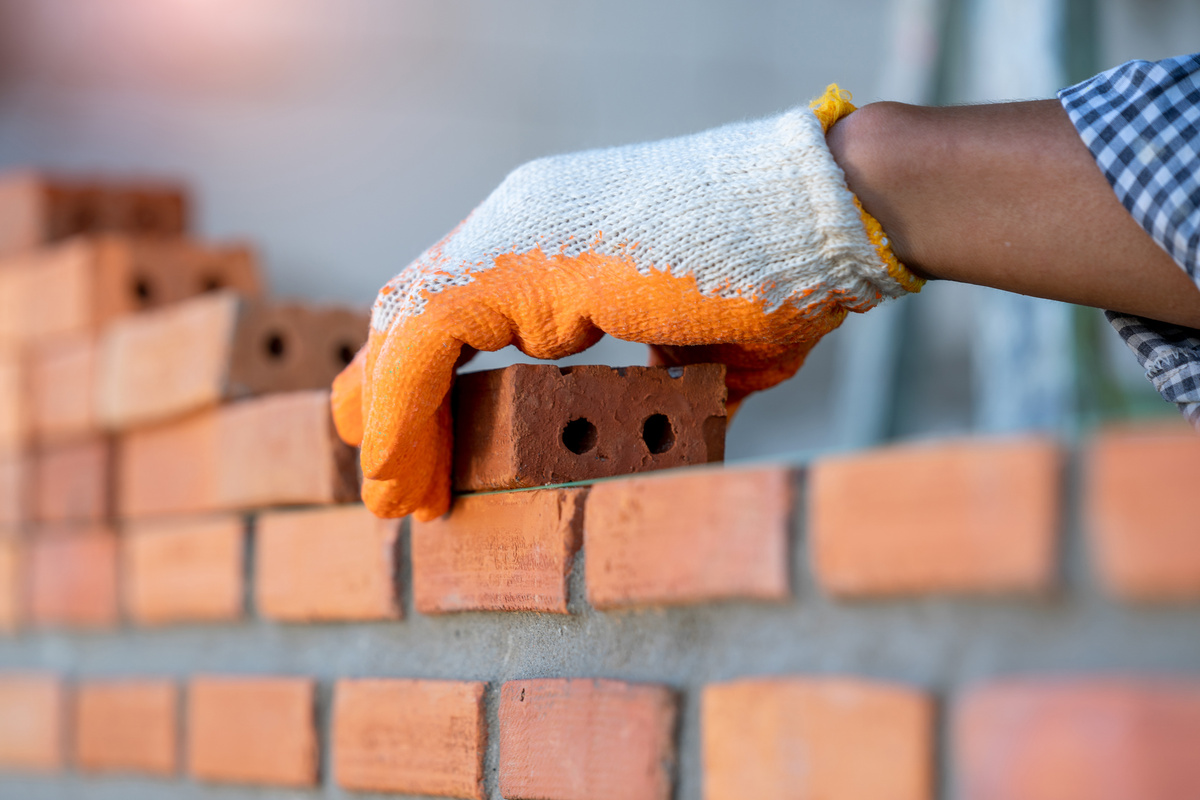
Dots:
pixel 12 583
pixel 580 739
pixel 15 428
pixel 276 450
pixel 961 516
pixel 410 736
pixel 15 499
pixel 62 383
pixel 326 564
pixel 689 537
pixel 252 730
pixel 1104 738
pixel 776 738
pixel 126 726
pixel 187 570
pixel 498 552
pixel 73 482
pixel 32 724
pixel 72 577
pixel 1144 539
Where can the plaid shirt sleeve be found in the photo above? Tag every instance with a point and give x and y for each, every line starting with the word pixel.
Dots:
pixel 1141 122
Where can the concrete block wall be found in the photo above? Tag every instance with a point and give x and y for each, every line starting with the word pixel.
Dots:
pixel 195 608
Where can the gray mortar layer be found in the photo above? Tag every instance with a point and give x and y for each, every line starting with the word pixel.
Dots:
pixel 943 644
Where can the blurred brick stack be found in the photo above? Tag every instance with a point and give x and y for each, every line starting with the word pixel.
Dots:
pixel 844 630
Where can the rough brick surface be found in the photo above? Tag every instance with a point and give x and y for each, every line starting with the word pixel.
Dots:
pixel 73 482
pixel 689 537
pixel 1087 739
pixel 36 209
pixel 126 726
pixel 965 516
pixel 183 570
pixel 82 284
pixel 276 450
pixel 31 722
pixel 12 587
pixel 62 380
pixel 1144 546
pixel 410 736
pixel 498 552
pixel 14 492
pixel 779 738
pixel 586 740
pixel 335 563
pixel 252 730
pixel 534 424
pixel 72 577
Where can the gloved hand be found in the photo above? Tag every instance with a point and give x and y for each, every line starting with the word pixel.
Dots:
pixel 740 245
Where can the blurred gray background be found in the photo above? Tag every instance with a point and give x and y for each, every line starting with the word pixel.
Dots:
pixel 344 137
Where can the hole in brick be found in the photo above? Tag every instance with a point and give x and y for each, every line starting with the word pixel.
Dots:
pixel 274 345
pixel 579 436
pixel 565 370
pixel 344 353
pixel 143 292
pixel 211 282
pixel 675 372
pixel 658 434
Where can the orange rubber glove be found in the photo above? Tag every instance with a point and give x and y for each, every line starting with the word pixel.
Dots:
pixel 741 245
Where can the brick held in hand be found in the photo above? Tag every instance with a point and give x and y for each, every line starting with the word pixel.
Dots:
pixel 36 209
pixel 83 283
pixel 582 739
pixel 72 576
pixel 195 354
pixel 126 726
pixel 32 721
pixel 534 424
pixel 73 482
pixel 269 451
pixel 252 730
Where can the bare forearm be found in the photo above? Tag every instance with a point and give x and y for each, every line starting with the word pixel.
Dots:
pixel 1006 195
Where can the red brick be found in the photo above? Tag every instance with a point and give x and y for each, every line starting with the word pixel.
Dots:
pixel 126 726
pixel 1145 536
pixel 184 570
pixel 965 516
pixel 586 740
pixel 1079 739
pixel 252 730
pixel 276 450
pixel 335 563
pixel 14 492
pixel 12 587
pixel 15 429
pixel 410 736
pixel 689 537
pixel 82 284
pixel 193 355
pixel 73 577
pixel 535 424
pixel 31 722
pixel 62 380
pixel 36 209
pixel 73 482
pixel 498 552
pixel 776 738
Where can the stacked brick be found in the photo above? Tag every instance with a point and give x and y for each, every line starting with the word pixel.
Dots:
pixel 922 530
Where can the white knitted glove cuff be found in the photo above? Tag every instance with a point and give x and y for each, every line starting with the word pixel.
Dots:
pixel 756 210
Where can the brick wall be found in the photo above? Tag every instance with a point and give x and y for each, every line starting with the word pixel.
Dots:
pixel 192 609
